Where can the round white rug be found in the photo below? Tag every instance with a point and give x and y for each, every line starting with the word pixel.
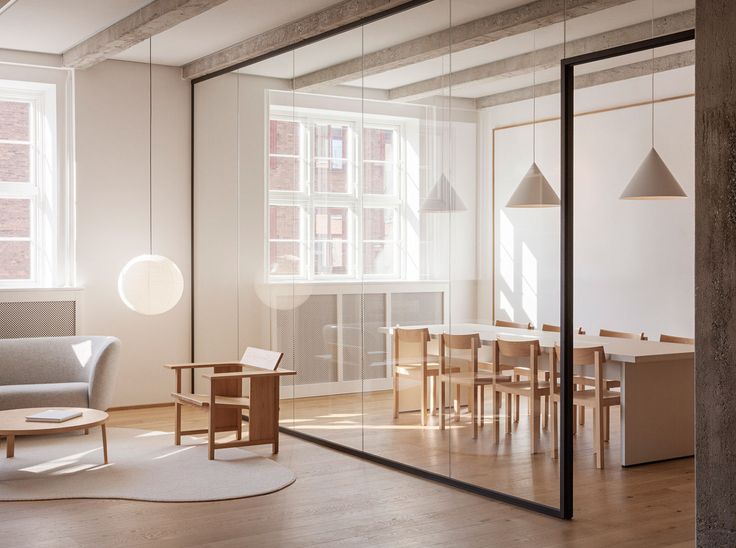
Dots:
pixel 143 465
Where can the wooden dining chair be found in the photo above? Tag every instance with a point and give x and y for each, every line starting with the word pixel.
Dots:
pixel 474 381
pixel 556 329
pixel 599 398
pixel 532 388
pixel 674 339
pixel 516 325
pixel 582 381
pixel 622 335
pixel 411 359
pixel 519 371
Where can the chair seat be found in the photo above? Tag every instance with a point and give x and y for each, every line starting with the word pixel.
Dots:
pixel 523 387
pixel 470 378
pixel 590 381
pixel 453 365
pixel 203 400
pixel 609 397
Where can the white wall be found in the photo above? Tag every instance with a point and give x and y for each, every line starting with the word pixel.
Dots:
pixel 112 213
pixel 633 259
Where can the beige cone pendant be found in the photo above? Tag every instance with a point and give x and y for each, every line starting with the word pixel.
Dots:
pixel 534 191
pixel 442 197
pixel 653 181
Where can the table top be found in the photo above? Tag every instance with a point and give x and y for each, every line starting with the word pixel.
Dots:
pixel 13 421
pixel 620 350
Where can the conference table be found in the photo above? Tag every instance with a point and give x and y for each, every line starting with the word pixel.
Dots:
pixel 657 386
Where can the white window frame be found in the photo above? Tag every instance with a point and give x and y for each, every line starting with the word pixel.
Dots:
pixel 355 200
pixel 42 189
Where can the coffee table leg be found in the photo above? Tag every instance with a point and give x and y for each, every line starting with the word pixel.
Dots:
pixel 104 442
pixel 10 451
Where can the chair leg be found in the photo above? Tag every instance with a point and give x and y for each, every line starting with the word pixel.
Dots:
pixel 177 424
pixel 535 406
pixel 517 400
pixel 508 412
pixel 474 411
pixel 598 418
pixel 239 429
pixel 555 441
pixel 581 412
pixel 423 412
pixel 495 418
pixel 432 395
pixel 482 402
pixel 545 412
pixel 211 435
pixel 456 405
pixel 441 385
pixel 606 423
pixel 396 396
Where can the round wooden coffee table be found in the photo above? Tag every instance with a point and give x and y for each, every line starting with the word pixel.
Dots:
pixel 13 423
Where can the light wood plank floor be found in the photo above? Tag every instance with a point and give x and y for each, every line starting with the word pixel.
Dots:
pixel 339 500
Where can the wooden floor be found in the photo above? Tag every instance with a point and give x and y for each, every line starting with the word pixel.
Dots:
pixel 340 500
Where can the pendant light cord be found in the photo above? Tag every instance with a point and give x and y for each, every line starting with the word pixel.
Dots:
pixel 150 146
pixel 653 71
pixel 237 214
pixel 534 96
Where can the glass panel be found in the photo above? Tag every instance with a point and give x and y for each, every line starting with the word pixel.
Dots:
pixel 15 260
pixel 15 121
pixel 331 175
pixel 378 178
pixel 15 163
pixel 284 173
pixel 15 218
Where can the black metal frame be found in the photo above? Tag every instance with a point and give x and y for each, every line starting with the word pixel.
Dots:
pixel 566 252
pixel 565 511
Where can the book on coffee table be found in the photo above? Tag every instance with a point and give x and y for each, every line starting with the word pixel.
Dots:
pixel 54 415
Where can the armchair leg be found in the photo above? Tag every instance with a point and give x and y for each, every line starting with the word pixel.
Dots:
pixel 177 424
pixel 396 396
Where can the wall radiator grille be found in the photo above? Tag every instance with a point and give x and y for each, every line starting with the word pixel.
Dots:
pixel 37 319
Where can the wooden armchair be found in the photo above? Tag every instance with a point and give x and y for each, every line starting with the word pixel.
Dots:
pixel 225 401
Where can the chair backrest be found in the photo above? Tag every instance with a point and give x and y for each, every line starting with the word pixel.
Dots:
pixel 517 325
pixel 674 339
pixel 518 349
pixel 592 355
pixel 622 335
pixel 410 345
pixel 556 328
pixel 469 342
pixel 263 359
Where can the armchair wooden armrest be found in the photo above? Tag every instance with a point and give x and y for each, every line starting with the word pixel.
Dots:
pixel 247 373
pixel 200 365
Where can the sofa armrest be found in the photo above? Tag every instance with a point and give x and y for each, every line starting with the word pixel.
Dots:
pixel 103 373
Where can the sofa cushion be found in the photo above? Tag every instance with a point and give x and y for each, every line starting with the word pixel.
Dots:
pixel 58 394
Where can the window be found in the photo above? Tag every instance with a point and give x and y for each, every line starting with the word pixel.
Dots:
pixel 28 193
pixel 331 215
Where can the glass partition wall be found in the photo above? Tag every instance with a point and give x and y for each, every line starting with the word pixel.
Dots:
pixel 359 205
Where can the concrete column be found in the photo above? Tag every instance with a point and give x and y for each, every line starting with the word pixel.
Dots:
pixel 715 272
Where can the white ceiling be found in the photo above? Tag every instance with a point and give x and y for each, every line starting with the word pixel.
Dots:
pixel 434 16
pixel 58 25
pixel 53 26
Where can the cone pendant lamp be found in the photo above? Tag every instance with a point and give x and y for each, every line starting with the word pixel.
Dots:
pixel 442 197
pixel 534 189
pixel 653 180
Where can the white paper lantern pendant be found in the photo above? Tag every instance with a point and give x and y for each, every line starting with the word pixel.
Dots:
pixel 150 284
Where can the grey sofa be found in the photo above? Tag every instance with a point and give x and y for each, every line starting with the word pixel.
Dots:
pixel 58 372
